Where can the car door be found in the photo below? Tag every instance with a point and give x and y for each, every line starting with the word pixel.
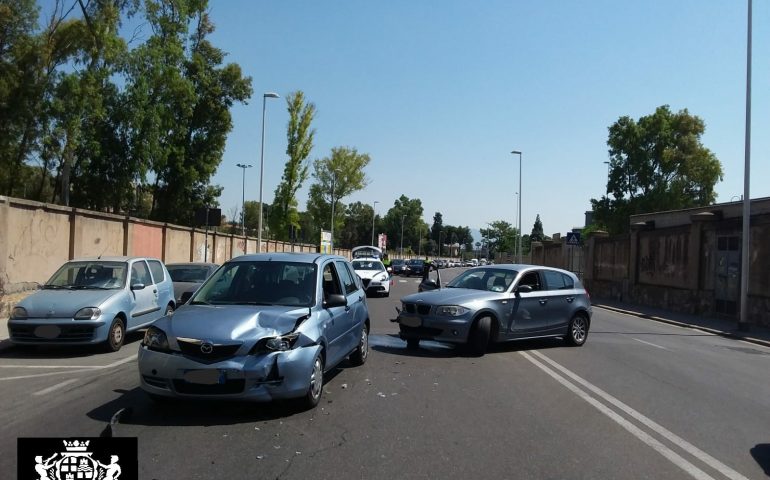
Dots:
pixel 162 284
pixel 355 297
pixel 145 299
pixel 529 309
pixel 561 295
pixel 337 320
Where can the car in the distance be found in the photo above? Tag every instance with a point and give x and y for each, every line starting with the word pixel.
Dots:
pixel 187 277
pixel 498 303
pixel 415 266
pixel 92 301
pixel 262 327
pixel 399 266
pixel 374 276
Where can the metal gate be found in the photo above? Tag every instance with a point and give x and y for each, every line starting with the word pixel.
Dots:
pixel 728 272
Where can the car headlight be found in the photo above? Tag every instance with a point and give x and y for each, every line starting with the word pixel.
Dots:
pixel 88 313
pixel 451 310
pixel 155 339
pixel 282 343
pixel 19 313
pixel 384 277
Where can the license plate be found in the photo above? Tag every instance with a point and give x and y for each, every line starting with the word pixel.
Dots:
pixel 47 331
pixel 205 377
pixel 410 321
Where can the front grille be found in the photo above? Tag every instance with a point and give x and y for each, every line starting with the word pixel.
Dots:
pixel 366 282
pixel 230 387
pixel 74 333
pixel 218 352
pixel 422 332
pixel 417 307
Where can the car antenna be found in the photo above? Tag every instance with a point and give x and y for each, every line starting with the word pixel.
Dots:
pixel 100 255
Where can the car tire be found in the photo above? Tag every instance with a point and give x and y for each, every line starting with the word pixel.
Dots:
pixel 169 310
pixel 314 391
pixel 361 353
pixel 577 331
pixel 387 293
pixel 478 339
pixel 412 343
pixel 116 335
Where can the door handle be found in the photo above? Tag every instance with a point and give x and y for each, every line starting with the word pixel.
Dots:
pixel 570 299
pixel 543 301
pixel 361 298
pixel 347 308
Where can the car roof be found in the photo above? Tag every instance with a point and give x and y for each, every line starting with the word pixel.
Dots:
pixel 192 264
pixel 286 257
pixel 111 259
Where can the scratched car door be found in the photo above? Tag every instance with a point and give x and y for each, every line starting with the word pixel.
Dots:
pixel 336 320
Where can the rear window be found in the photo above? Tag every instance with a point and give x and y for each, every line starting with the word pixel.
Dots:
pixel 157 270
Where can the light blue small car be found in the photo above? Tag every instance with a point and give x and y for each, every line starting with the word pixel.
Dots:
pixel 94 300
pixel 262 327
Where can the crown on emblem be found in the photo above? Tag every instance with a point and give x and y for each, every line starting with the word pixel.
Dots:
pixel 76 445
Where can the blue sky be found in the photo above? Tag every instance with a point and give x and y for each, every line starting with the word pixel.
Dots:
pixel 446 89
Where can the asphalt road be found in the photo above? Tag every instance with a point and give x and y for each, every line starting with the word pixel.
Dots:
pixel 640 400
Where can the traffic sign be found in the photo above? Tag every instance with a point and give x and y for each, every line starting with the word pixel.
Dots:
pixel 573 238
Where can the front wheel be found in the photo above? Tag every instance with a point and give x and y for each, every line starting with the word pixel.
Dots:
pixel 577 332
pixel 313 395
pixel 478 340
pixel 116 335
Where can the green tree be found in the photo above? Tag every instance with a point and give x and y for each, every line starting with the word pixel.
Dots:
pixel 537 230
pixel 357 227
pixel 337 176
pixel 437 227
pixel 656 163
pixel 409 211
pixel 295 172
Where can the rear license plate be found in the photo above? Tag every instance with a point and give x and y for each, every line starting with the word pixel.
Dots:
pixel 47 331
pixel 205 377
pixel 410 321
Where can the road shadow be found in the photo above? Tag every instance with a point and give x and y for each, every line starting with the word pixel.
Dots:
pixel 761 454
pixel 138 409
pixel 65 351
pixel 652 334
pixel 393 345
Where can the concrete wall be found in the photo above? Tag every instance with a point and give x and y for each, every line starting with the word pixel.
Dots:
pixel 37 238
pixel 664 258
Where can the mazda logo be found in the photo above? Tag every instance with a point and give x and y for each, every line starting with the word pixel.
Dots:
pixel 207 348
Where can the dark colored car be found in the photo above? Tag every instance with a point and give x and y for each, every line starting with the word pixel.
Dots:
pixel 399 266
pixel 187 277
pixel 497 304
pixel 415 266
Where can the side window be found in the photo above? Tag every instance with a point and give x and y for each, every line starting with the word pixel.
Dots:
pixel 569 284
pixel 140 273
pixel 157 271
pixel 347 281
pixel 532 279
pixel 354 276
pixel 331 281
pixel 554 280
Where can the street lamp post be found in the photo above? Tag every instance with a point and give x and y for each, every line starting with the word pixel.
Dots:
pixel 374 214
pixel 440 232
pixel 419 242
pixel 743 321
pixel 243 200
pixel 516 152
pixel 262 168
pixel 402 235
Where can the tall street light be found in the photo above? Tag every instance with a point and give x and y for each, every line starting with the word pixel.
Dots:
pixel 243 200
pixel 419 241
pixel 374 214
pixel 743 321
pixel 516 152
pixel 262 168
pixel 402 235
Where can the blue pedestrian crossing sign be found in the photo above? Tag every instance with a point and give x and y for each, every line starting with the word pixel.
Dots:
pixel 573 238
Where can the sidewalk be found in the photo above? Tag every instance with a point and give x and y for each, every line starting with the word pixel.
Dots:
pixel 718 326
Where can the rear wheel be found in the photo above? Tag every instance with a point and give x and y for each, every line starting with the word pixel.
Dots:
pixel 577 332
pixel 361 353
pixel 116 335
pixel 478 340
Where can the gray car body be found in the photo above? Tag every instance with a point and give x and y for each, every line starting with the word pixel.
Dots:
pixel 515 315
pixel 332 332
pixel 180 288
pixel 138 307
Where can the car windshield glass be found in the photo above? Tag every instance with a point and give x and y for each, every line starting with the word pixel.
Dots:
pixel 368 265
pixel 191 273
pixel 260 283
pixel 89 275
pixel 489 279
pixel 415 262
pixel 397 262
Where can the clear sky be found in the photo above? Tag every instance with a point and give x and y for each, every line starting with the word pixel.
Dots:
pixel 445 89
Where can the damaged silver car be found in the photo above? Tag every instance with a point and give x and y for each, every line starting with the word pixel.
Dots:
pixel 263 327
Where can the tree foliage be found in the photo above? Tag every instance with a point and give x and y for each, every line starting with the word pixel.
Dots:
pixel 656 163
pixel 537 230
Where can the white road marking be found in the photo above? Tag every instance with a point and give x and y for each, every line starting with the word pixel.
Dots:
pixel 90 369
pixel 670 436
pixel 53 388
pixel 650 344
pixel 675 458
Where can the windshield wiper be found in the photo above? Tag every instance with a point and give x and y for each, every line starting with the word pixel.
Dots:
pixel 56 287
pixel 88 287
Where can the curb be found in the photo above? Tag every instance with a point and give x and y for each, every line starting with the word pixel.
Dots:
pixel 721 333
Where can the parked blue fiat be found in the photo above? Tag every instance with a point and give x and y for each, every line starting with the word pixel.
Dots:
pixel 92 301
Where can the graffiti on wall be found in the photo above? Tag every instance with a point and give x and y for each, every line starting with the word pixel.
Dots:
pixel 663 259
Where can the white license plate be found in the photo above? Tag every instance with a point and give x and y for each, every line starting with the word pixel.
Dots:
pixel 205 377
pixel 47 331
pixel 410 321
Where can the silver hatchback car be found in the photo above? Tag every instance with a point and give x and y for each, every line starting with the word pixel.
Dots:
pixel 262 327
pixel 496 304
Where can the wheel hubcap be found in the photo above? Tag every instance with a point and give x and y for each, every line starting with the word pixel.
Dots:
pixel 364 344
pixel 117 334
pixel 316 379
pixel 578 329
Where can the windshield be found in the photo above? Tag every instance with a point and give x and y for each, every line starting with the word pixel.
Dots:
pixel 489 279
pixel 89 275
pixel 368 265
pixel 189 273
pixel 260 283
pixel 415 262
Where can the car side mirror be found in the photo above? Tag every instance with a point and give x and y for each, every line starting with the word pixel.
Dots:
pixel 186 296
pixel 429 284
pixel 524 289
pixel 335 300
pixel 137 286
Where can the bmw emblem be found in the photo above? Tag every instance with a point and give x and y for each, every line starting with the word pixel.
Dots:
pixel 207 348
